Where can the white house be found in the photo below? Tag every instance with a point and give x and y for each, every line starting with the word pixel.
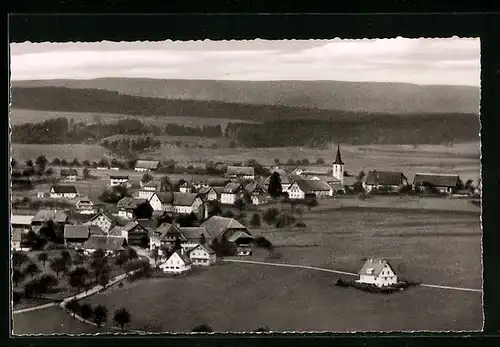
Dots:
pixel 116 180
pixel 186 203
pixel 377 272
pixel 85 206
pixel 444 183
pixel 177 263
pixel 69 175
pixel 202 255
pixel 102 168
pixel 186 187
pixel 240 172
pixel 232 192
pixel 207 194
pixel 300 188
pixel 63 192
pixel 146 165
pixel 101 220
pixel 386 180
pixel 161 201
pixel 148 189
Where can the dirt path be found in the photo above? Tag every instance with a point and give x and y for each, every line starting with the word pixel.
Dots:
pixel 342 273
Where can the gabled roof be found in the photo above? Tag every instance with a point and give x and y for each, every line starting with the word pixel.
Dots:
pixel 240 170
pixel 308 186
pixel 115 231
pixel 130 203
pixel 194 233
pixel 183 256
pixel 232 187
pixel 204 247
pixel 63 189
pixel 250 187
pixel 104 242
pixel 95 230
pixel 17 219
pixel 166 229
pixel 205 190
pixel 69 172
pixel 46 215
pixel 437 180
pixel 239 234
pixel 131 226
pixel 184 199
pixel 98 215
pixel 76 231
pixel 152 184
pixel 84 202
pixel 385 178
pixel 219 190
pixel 118 177
pixel 349 180
pixel 216 225
pixel 373 267
pixel 147 164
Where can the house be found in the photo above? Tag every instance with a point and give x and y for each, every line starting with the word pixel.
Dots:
pixel 255 189
pixel 240 172
pixel 85 206
pixel 260 199
pixel 192 236
pixel 165 234
pixel 207 194
pixel 21 222
pixel 43 216
pixel 101 220
pixel 109 244
pixel 202 255
pixel 129 208
pixel 299 189
pixel 115 168
pixel 443 183
pixel 146 165
pixel 186 187
pixel 76 235
pixel 95 230
pixel 177 263
pixel 162 201
pixel 229 229
pixel 186 203
pixel 135 234
pixel 116 180
pixel 63 192
pixel 102 167
pixel 148 189
pixel 384 180
pixel 16 239
pixel 285 179
pixel 377 272
pixel 232 192
pixel 69 175
pixel 219 190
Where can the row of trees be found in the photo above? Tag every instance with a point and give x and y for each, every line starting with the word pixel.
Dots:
pixel 303 162
pixel 99 314
pixel 127 146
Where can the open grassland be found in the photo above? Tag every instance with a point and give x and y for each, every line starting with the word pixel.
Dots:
pixel 244 297
pixel 21 116
pixel 462 159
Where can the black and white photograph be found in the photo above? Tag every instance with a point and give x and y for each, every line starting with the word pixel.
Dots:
pixel 257 186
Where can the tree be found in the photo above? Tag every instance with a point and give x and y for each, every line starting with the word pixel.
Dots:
pixel 261 241
pixel 270 215
pixel 166 184
pixel 360 175
pixel 202 328
pixel 320 161
pixel 66 256
pixel 13 162
pixel 75 163
pixel 64 162
pixel 86 311
pixel 41 163
pixel 19 258
pixel 156 254
pixel 100 315
pixel 274 188
pixel 240 204
pixel 58 265
pixel 104 279
pixel 32 269
pixel 122 317
pixel 17 276
pixel 86 163
pixel 56 162
pixel 29 163
pixel 202 240
pixel 468 185
pixel 74 306
pixel 310 203
pixel 146 178
pixel 228 214
pixel 86 173
pixel 43 258
pixel 255 221
pixel 78 278
pixel 264 329
pixel 277 161
pixel 305 162
pixel 46 282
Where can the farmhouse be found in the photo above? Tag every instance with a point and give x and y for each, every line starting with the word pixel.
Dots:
pixel 43 216
pixel 207 194
pixel 255 189
pixel 300 188
pixel 384 180
pixel 162 201
pixel 377 272
pixel 186 203
pixel 232 192
pixel 109 244
pixel 116 180
pixel 101 220
pixel 165 234
pixel 21 222
pixel 219 191
pixel 192 236
pixel 443 183
pixel 130 208
pixel 76 235
pixel 177 263
pixel 135 234
pixel 63 192
pixel 240 172
pixel 202 255
pixel 95 230
pixel 148 189
pixel 85 206
pixel 69 175
pixel 260 199
pixel 222 228
pixel 146 165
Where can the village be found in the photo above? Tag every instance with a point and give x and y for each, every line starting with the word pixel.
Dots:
pixel 190 224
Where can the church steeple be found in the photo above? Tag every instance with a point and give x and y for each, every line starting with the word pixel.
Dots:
pixel 338 159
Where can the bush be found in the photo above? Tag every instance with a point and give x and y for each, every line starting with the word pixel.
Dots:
pixel 271 215
pixel 228 214
pixel 262 242
pixel 255 221
pixel 300 225
pixel 16 297
pixel 284 220
pixel 362 196
pixel 202 328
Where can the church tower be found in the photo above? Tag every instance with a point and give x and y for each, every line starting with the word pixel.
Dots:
pixel 338 167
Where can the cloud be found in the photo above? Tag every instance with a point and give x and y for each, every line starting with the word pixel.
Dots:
pixel 421 61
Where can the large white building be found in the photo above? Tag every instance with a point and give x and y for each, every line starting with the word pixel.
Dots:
pixel 177 263
pixel 377 272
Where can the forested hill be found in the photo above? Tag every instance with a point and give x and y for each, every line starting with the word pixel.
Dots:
pixel 372 97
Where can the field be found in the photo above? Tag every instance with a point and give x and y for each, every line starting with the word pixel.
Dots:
pixel 462 159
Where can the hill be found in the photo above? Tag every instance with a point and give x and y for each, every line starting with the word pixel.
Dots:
pixel 370 97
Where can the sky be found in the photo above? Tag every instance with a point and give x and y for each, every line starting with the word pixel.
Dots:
pixel 450 61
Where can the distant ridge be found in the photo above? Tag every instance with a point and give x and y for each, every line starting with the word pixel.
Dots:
pixel 369 97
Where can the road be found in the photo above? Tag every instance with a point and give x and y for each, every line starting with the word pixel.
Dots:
pixel 342 273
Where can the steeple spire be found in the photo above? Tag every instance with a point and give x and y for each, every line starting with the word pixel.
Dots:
pixel 338 159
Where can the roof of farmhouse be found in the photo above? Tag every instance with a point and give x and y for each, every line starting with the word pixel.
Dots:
pixel 437 180
pixel 313 185
pixel 373 267
pixel 64 189
pixel 130 203
pixel 388 178
pixel 104 242
pixel 240 170
pixel 76 231
pixel 216 225
pixel 17 219
pixel 147 164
